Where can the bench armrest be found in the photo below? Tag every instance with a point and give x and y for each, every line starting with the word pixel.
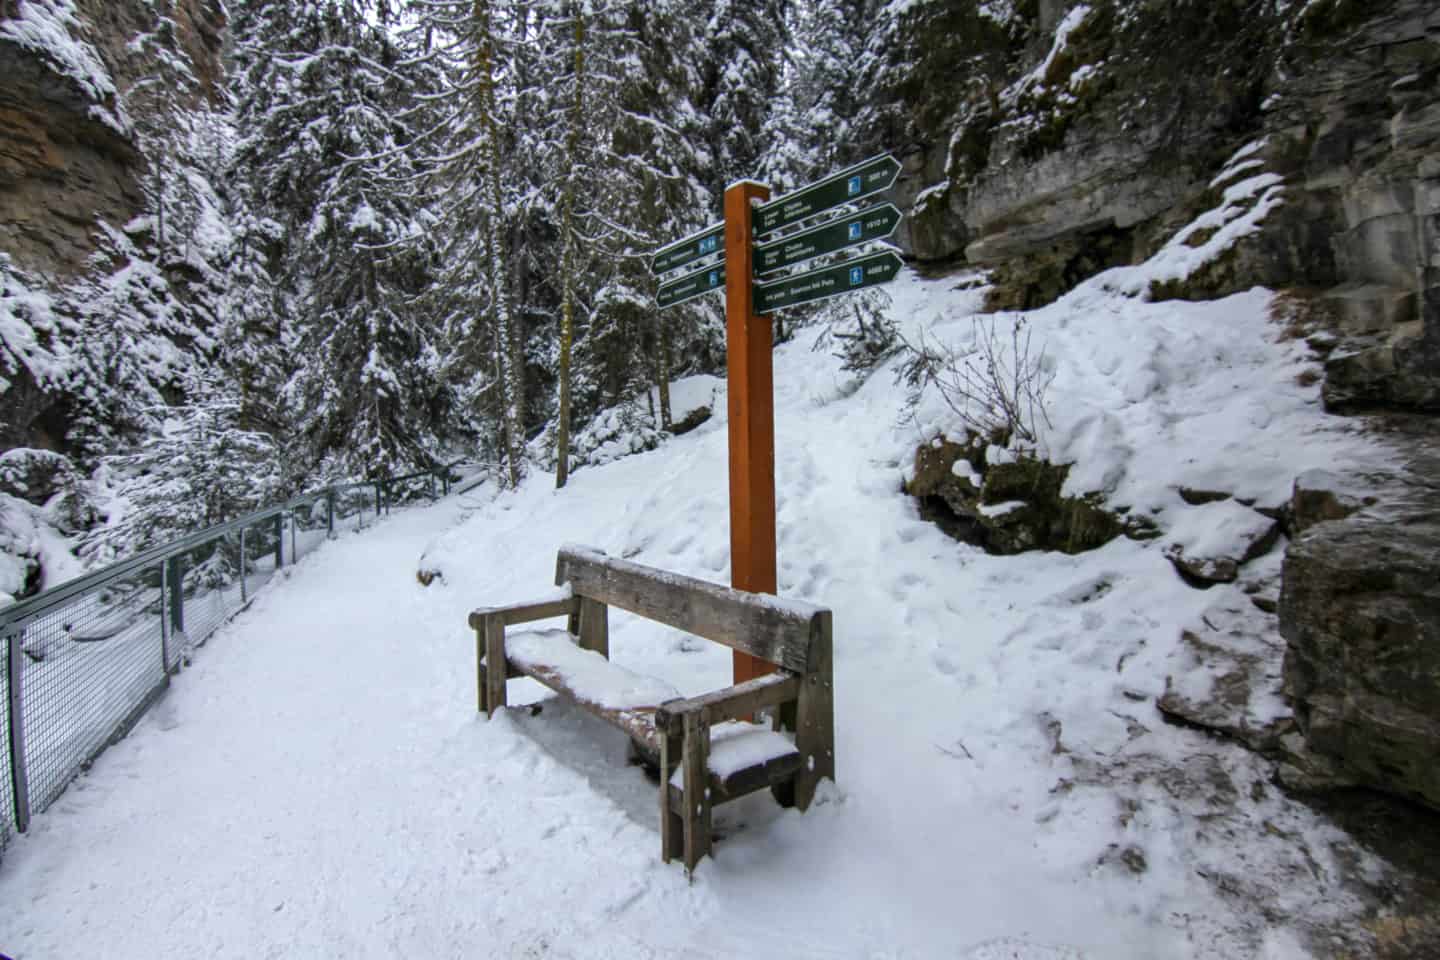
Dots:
pixel 525 612
pixel 732 703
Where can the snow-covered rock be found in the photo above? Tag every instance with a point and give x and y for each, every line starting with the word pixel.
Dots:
pixel 1209 543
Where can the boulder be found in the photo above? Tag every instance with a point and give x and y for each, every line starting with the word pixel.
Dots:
pixel 1320 495
pixel 983 495
pixel 1228 679
pixel 1209 543
pixel 1360 613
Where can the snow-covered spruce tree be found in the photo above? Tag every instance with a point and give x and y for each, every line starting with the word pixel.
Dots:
pixel 467 153
pixel 741 45
pixel 809 133
pixel 908 62
pixel 591 55
pixel 658 147
pixel 200 467
pixel 808 127
pixel 275 193
pixel 350 253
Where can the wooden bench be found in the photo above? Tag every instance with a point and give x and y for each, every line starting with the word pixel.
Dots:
pixel 704 755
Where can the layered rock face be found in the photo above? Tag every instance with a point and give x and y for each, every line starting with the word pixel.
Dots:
pixel 1084 135
pixel 71 160
pixel 1360 613
pixel 61 166
pixel 67 154
pixel 1365 118
pixel 1090 143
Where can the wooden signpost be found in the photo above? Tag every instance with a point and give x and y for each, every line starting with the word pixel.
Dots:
pixel 750 214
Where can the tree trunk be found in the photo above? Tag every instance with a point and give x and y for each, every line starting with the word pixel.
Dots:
pixel 512 380
pixel 568 267
pixel 664 374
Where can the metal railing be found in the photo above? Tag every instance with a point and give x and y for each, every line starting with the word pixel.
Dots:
pixel 83 661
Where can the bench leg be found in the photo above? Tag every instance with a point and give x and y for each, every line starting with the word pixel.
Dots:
pixel 480 691
pixel 815 719
pixel 697 791
pixel 672 828
pixel 496 668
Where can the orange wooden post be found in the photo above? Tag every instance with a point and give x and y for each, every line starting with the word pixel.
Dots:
pixel 748 342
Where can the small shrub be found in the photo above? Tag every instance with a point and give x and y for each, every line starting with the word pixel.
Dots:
pixel 997 389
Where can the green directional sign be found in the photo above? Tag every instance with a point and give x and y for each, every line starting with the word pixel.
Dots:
pixel 844 277
pixel 692 248
pixel 690 286
pixel 873 223
pixel 852 183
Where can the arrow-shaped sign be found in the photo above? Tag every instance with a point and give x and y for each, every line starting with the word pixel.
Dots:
pixel 872 223
pixel 690 286
pixel 852 183
pixel 844 277
pixel 689 249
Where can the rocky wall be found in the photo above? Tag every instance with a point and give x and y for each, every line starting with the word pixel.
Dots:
pixel 67 157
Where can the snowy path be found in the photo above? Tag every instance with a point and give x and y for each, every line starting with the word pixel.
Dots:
pixel 320 785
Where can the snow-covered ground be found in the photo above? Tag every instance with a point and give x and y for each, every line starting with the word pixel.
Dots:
pixel 320 785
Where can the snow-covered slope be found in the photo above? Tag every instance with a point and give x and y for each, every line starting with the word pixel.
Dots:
pixel 322 786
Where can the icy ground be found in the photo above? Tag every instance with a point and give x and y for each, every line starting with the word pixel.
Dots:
pixel 319 784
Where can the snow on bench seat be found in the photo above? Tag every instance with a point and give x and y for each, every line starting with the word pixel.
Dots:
pixel 622 697
pixel 745 757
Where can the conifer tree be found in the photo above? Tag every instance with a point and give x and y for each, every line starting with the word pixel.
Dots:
pixel 467 143
pixel 200 468
pixel 741 47
pixel 361 388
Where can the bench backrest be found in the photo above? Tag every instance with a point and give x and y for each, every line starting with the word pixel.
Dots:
pixel 786 632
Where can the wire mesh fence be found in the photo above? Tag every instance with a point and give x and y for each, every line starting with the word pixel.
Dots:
pixel 80 664
pixel 357 506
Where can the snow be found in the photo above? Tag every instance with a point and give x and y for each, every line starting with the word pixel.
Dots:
pixel 963 469
pixel 737 746
pixel 1212 530
pixel 1036 77
pixel 319 783
pixel 588 674
pixel 922 199
pixel 1243 207
pixel 1072 20
pixel 29 539
pixel 690 394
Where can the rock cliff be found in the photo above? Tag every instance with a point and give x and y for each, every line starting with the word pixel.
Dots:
pixel 1057 139
pixel 1078 137
pixel 82 94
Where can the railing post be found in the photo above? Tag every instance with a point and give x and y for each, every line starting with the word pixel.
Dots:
pixel 165 589
pixel 432 486
pixel 377 498
pixel 19 784
pixel 280 541
pixel 175 579
pixel 294 553
pixel 330 512
pixel 243 591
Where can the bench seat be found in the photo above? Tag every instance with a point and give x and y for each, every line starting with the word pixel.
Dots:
pixel 618 696
pixel 744 757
